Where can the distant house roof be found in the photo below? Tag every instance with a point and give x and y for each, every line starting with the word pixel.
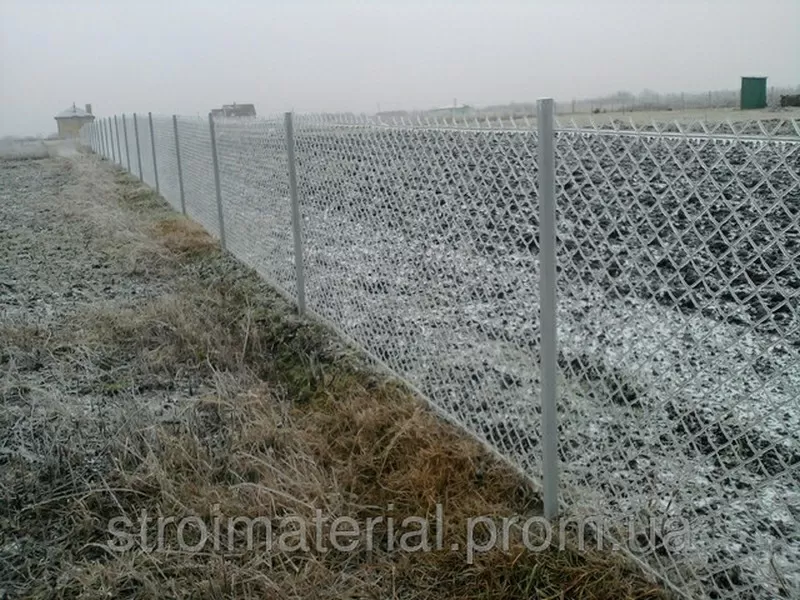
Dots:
pixel 234 110
pixel 73 111
pixel 460 107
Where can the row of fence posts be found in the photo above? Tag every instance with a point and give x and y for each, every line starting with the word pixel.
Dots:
pixel 547 257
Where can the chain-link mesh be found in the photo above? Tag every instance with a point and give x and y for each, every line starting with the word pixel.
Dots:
pixel 112 135
pixel 167 161
pixel 254 179
pixel 132 152
pixel 124 139
pixel 103 140
pixel 119 142
pixel 106 140
pixel 680 344
pixel 109 140
pixel 198 172
pixel 679 338
pixel 146 148
pixel 88 135
pixel 420 245
pixel 110 149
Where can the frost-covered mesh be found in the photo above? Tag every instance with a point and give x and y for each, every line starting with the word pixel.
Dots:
pixel 254 179
pixel 420 244
pixel 679 336
pixel 198 172
pixel 146 148
pixel 99 138
pixel 128 128
pixel 110 149
pixel 116 153
pixel 88 133
pixel 678 248
pixel 119 143
pixel 166 160
pixel 103 139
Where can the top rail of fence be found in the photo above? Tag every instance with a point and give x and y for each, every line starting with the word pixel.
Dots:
pixel 779 129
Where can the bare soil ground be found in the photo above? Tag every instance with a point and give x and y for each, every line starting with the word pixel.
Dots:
pixel 142 369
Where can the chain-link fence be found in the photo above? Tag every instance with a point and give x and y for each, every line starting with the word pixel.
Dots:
pixel 198 172
pixel 254 183
pixel 680 343
pixel 122 148
pixel 678 337
pixel 167 160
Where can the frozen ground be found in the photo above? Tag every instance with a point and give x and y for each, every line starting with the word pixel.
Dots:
pixel 66 255
pixel 11 149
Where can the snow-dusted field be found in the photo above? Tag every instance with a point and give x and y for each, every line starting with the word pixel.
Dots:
pixel 678 315
pixel 14 149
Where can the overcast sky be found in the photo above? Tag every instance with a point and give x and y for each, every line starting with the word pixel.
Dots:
pixel 306 55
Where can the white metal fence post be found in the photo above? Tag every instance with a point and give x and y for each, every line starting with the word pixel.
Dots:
pixel 111 140
pixel 215 163
pixel 106 145
pixel 296 223
pixel 547 300
pixel 180 167
pixel 107 131
pixel 103 144
pixel 153 146
pixel 127 147
pixel 119 143
pixel 138 149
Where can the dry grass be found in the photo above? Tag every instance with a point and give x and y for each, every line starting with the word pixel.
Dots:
pixel 183 237
pixel 290 422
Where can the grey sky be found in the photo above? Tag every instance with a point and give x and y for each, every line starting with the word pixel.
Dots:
pixel 186 57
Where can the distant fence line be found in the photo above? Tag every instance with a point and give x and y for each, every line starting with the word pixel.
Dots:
pixel 611 307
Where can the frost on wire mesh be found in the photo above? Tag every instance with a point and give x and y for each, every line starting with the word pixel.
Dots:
pixel 254 181
pixel 679 337
pixel 115 140
pixel 679 345
pixel 166 160
pixel 122 148
pixel 198 172
pixel 110 145
pixel 148 171
pixel 128 126
pixel 420 245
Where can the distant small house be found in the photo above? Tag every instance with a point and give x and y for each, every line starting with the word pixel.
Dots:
pixel 71 120
pixel 460 110
pixel 234 110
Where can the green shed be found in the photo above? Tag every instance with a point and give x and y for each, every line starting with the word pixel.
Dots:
pixel 754 93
